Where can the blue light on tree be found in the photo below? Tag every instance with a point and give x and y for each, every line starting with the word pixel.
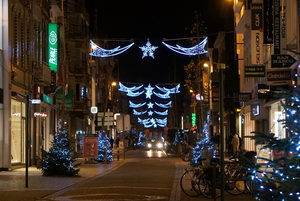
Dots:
pixel 148 50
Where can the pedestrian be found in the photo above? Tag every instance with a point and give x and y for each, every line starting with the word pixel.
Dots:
pixel 117 142
pixel 111 142
pixel 229 145
pixel 235 144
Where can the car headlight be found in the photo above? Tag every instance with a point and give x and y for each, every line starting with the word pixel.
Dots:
pixel 149 145
pixel 159 145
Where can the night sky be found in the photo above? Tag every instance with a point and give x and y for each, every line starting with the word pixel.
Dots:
pixel 155 20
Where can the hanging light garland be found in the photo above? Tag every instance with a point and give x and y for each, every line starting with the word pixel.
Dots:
pixel 150 121
pixel 195 50
pixel 148 49
pixel 100 52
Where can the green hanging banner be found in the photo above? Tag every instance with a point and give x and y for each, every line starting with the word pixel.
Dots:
pixel 68 98
pixel 53 46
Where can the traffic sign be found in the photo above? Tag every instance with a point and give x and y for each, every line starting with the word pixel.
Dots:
pixel 282 61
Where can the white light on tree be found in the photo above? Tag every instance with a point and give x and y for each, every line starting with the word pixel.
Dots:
pixel 148 50
pixel 100 52
pixel 195 50
pixel 150 113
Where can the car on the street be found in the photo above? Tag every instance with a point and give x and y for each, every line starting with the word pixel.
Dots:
pixel 154 144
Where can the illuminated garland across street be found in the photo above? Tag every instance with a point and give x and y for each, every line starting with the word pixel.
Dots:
pixel 147 116
pixel 100 52
pixel 148 49
pixel 195 50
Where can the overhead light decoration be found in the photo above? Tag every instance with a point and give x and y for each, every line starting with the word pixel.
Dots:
pixel 150 113
pixel 100 52
pixel 151 117
pixel 149 91
pixel 167 105
pixel 131 90
pixel 138 113
pixel 148 50
pixel 150 105
pixel 195 50
pixel 172 90
pixel 133 105
pixel 164 113
pixel 164 96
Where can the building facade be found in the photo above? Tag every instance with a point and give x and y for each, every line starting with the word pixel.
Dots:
pixel 45 75
pixel 267 45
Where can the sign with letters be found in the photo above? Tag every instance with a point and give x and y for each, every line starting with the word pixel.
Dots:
pixel 282 61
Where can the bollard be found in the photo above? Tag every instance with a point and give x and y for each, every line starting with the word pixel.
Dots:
pixel 118 154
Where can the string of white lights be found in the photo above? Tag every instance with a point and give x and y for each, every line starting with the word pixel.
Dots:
pixel 101 52
pixel 195 50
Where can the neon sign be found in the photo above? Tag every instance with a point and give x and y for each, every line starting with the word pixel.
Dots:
pixel 53 46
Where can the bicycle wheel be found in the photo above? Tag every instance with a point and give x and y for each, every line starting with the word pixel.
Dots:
pixel 185 157
pixel 189 182
pixel 206 187
pixel 238 184
pixel 235 187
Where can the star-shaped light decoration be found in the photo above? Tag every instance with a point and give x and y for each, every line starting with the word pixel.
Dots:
pixel 149 91
pixel 150 105
pixel 148 50
pixel 150 113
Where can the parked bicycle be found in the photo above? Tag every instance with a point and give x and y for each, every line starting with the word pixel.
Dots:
pixel 189 180
pixel 237 179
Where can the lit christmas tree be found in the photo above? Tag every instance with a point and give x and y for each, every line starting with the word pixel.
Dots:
pixel 283 182
pixel 104 149
pixel 57 161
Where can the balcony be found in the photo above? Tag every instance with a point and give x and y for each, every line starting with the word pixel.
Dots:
pixel 42 73
pixel 79 68
pixel 82 105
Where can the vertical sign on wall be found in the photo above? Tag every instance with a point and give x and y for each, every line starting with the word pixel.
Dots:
pixel 53 46
pixel 279 11
pixel 256 34
pixel 268 21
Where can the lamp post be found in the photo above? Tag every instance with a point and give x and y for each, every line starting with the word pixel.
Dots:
pixel 221 67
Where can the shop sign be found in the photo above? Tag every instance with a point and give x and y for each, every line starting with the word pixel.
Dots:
pixel 279 77
pixel 46 99
pixel 255 71
pixel 40 114
pixel 68 98
pixel 90 147
pixel 194 119
pixel 282 61
pixel 244 97
pixel 53 46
